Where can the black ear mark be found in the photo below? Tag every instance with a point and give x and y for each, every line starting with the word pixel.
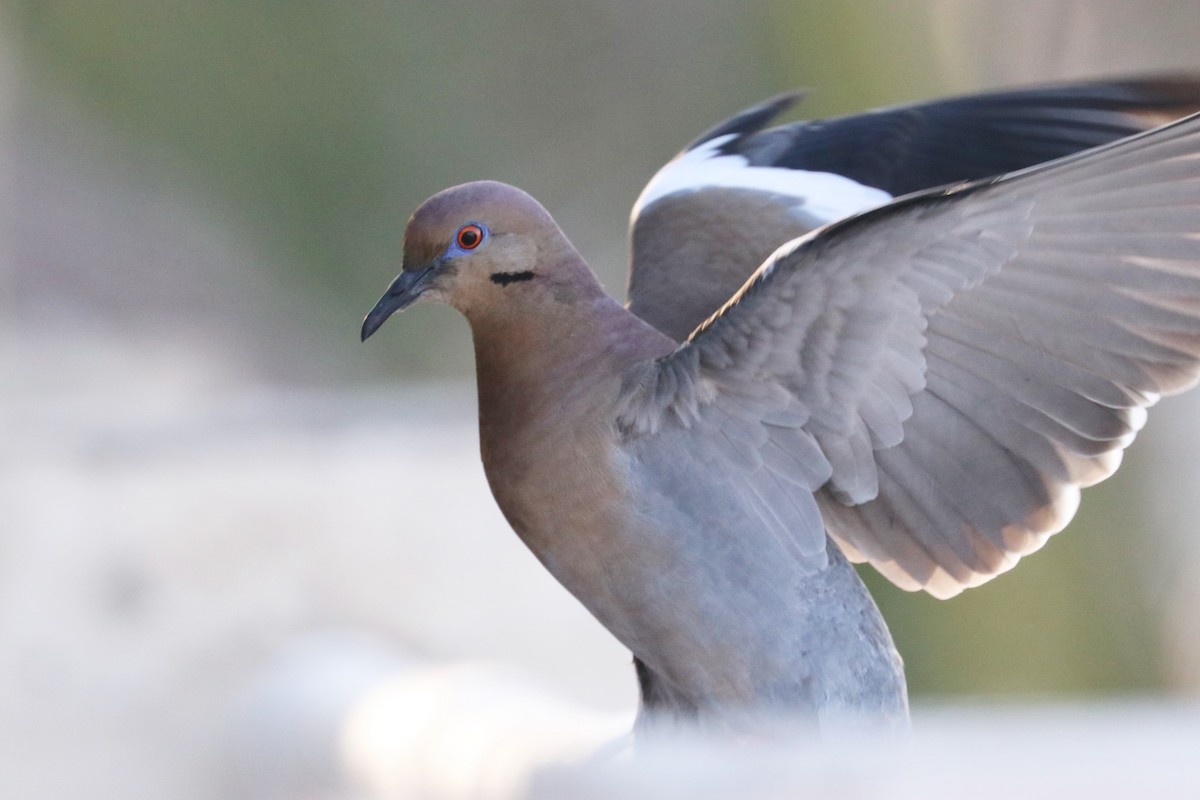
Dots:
pixel 505 278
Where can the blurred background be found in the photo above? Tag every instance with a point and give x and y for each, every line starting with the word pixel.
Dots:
pixel 223 520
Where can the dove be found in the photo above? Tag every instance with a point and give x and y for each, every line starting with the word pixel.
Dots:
pixel 895 338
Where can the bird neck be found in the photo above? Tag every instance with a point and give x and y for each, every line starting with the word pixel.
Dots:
pixel 557 340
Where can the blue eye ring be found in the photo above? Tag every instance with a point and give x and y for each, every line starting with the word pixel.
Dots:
pixel 469 236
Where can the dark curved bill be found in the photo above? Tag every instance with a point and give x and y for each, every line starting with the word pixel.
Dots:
pixel 406 288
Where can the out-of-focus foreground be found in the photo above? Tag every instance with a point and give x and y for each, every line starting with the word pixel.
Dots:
pixel 242 555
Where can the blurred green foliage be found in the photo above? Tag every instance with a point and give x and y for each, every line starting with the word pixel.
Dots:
pixel 321 125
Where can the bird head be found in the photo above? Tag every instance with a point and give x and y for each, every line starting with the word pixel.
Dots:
pixel 473 247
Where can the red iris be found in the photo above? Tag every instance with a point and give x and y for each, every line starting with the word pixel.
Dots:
pixel 469 237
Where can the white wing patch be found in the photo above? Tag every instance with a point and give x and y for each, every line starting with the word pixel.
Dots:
pixel 822 196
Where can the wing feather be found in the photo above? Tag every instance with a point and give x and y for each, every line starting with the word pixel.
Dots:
pixel 951 368
pixel 711 216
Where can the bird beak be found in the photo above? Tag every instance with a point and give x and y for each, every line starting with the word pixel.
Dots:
pixel 402 293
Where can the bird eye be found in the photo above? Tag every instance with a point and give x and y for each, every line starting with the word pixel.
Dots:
pixel 469 237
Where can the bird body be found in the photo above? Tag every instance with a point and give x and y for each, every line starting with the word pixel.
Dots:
pixel 719 619
pixel 924 385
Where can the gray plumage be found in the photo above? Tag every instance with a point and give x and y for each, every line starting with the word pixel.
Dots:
pixel 924 386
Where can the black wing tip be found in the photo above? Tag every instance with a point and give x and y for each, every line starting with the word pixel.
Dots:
pixel 751 119
pixel 1153 84
pixel 1159 91
pixel 1164 91
pixel 1146 92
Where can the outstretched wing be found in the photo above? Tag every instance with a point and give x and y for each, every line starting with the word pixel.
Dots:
pixel 710 217
pixel 964 359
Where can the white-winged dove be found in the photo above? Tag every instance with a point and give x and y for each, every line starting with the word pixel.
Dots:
pixel 922 383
